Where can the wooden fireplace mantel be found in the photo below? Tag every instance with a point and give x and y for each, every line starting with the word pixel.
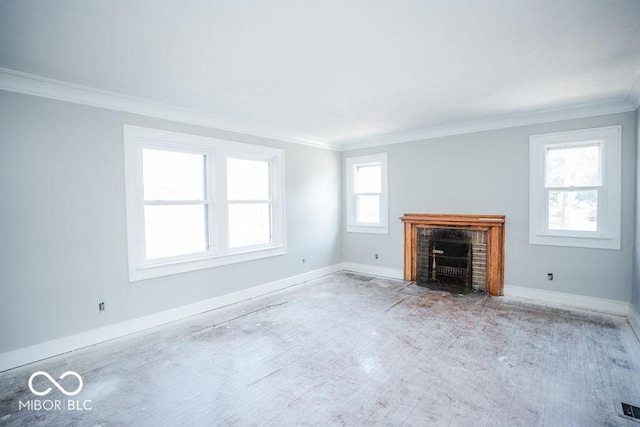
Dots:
pixel 492 224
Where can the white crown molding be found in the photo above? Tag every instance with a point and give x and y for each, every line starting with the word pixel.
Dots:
pixel 490 124
pixel 30 84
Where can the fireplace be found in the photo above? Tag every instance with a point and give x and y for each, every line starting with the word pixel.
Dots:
pixel 464 252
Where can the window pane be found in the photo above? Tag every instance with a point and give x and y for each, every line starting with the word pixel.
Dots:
pixel 573 166
pixel 169 175
pixel 368 179
pixel 573 210
pixel 249 224
pixel 174 230
pixel 368 209
pixel 247 179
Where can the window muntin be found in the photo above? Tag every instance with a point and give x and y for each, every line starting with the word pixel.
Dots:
pixel 367 194
pixel 195 202
pixel 575 188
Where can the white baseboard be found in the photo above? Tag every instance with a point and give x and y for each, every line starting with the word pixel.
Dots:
pixel 602 305
pixel 26 355
pixel 634 319
pixel 394 273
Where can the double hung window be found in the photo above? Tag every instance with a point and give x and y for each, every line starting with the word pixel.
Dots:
pixel 367 208
pixel 575 188
pixel 195 202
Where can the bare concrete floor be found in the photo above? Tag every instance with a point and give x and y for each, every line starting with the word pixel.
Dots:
pixel 346 351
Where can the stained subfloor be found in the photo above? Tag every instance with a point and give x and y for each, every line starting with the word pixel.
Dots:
pixel 349 350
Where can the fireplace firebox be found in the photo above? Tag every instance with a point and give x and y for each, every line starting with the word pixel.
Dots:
pixel 445 259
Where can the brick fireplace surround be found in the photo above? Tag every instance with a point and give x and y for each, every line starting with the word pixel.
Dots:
pixel 493 225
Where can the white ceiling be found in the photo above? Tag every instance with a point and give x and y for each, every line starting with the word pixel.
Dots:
pixel 336 71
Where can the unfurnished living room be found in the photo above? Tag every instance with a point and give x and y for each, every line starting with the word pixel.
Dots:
pixel 320 212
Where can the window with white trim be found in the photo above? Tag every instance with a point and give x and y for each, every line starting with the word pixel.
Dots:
pixel 195 202
pixel 575 188
pixel 367 194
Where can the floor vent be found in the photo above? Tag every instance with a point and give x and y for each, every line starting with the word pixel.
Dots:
pixel 630 411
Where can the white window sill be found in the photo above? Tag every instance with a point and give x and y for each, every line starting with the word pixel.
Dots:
pixel 373 229
pixel 176 267
pixel 593 242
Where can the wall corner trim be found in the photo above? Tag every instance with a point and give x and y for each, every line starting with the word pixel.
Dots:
pixel 34 353
pixel 620 308
pixel 634 320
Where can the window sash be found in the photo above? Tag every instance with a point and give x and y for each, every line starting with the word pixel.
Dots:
pixel 269 242
pixel 357 211
pixel 271 202
pixel 147 261
pixel 206 202
pixel 215 202
pixel 356 171
pixel 574 232
pixel 573 145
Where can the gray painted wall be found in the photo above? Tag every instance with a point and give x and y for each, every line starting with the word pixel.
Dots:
pixel 488 173
pixel 635 291
pixel 63 224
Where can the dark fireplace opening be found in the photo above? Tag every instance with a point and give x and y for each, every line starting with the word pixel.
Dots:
pixel 445 260
pixel 450 263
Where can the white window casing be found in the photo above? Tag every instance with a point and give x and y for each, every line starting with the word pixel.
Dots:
pixel 215 153
pixel 591 184
pixel 373 191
